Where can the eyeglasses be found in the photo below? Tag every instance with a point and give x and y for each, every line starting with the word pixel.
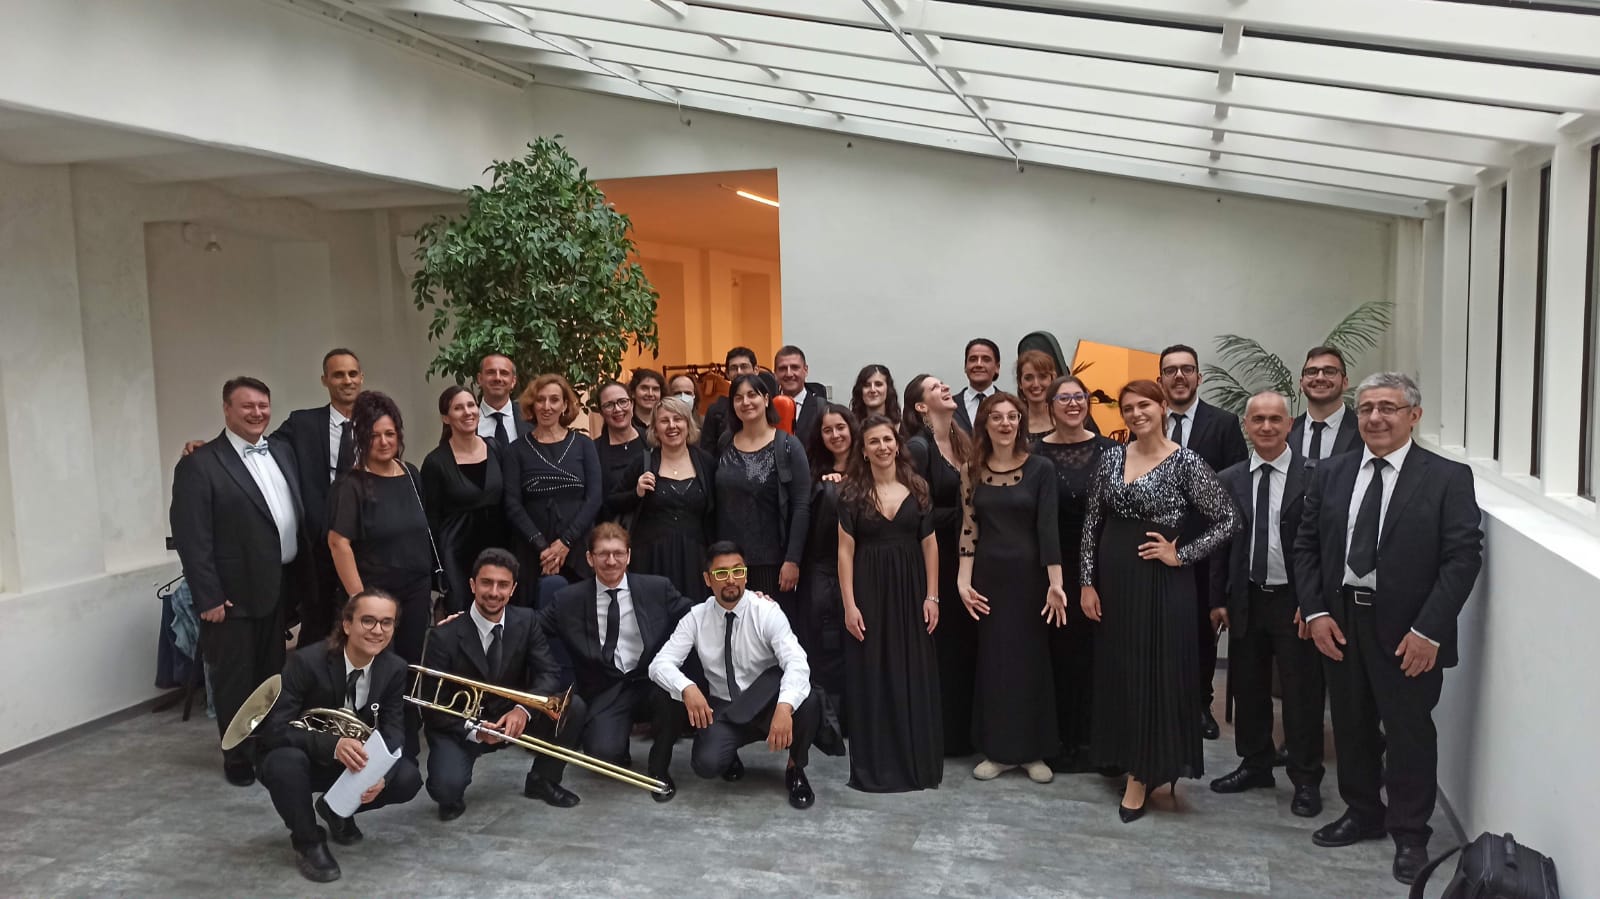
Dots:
pixel 723 574
pixel 376 624
pixel 1068 399
pixel 609 554
pixel 1327 371
pixel 1009 417
pixel 1174 370
pixel 616 404
pixel 1382 410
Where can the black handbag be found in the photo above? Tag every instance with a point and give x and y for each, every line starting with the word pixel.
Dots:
pixel 1495 867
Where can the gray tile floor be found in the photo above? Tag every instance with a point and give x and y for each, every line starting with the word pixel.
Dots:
pixel 140 809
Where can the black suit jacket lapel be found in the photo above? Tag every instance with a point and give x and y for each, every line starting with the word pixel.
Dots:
pixel 644 614
pixel 1405 487
pixel 241 475
pixel 591 620
pixel 1349 437
pixel 336 680
pixel 472 645
pixel 1340 489
pixel 1244 496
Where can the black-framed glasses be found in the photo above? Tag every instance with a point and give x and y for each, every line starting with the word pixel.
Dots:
pixel 1174 370
pixel 374 623
pixel 1382 410
pixel 616 404
pixel 1069 399
pixel 609 554
pixel 722 574
pixel 1327 371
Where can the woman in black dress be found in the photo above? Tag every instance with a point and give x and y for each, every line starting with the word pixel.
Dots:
pixel 1010 564
pixel 874 395
pixel 764 494
pixel 1035 371
pixel 888 558
pixel 463 493
pixel 646 388
pixel 1146 676
pixel 939 450
pixel 619 447
pixel 1075 453
pixel 553 484
pixel 828 455
pixel 378 532
pixel 669 492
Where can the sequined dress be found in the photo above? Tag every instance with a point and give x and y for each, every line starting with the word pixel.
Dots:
pixel 1146 676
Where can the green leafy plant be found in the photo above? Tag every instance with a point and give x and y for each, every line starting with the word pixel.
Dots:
pixel 538 268
pixel 1248 367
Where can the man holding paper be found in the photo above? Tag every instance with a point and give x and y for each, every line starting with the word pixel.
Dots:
pixel 355 671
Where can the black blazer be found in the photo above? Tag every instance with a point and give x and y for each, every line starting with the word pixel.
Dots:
pixel 1215 435
pixel 1348 438
pixel 1230 582
pixel 313 677
pixel 525 659
pixel 224 532
pixel 1429 550
pixel 963 420
pixel 808 417
pixel 715 424
pixel 305 432
pixel 575 620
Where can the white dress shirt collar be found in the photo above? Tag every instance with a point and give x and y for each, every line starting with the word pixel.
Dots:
pixel 239 444
pixel 1397 459
pixel 363 686
pixel 1280 464
pixel 484 625
pixel 1334 420
pixel 335 417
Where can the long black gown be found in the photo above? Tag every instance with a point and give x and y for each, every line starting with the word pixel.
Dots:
pixel 673 523
pixel 819 593
pixel 466 512
pixel 956 638
pixel 892 676
pixel 1146 673
pixel 1072 647
pixel 1010 529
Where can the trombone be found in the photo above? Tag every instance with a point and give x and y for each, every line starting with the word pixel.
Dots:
pixel 464 700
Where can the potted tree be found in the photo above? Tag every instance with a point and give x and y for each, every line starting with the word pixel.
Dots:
pixel 1248 367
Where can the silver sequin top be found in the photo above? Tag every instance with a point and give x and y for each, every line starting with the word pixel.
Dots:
pixel 1163 495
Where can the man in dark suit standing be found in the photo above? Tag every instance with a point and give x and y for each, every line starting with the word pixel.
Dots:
pixel 356 673
pixel 1252 595
pixel 235 520
pixel 1214 435
pixel 789 365
pixel 981 361
pixel 741 360
pixel 613 625
pixel 1332 427
pixel 498 417
pixel 503 645
pixel 1386 555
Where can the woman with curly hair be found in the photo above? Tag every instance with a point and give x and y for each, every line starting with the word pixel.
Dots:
pixel 874 394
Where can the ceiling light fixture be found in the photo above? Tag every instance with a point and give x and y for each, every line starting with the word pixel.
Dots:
pixel 757 197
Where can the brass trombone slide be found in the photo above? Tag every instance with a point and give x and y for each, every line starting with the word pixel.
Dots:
pixel 465 701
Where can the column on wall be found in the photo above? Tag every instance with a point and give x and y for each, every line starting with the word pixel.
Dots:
pixel 1521 277
pixel 1449 392
pixel 1566 281
pixel 1482 340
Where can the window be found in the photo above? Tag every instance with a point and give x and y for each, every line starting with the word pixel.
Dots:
pixel 1538 314
pixel 1589 426
pixel 1500 320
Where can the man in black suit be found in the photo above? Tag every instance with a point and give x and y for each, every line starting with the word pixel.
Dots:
pixel 741 360
pixel 498 416
pixel 1252 595
pixel 1387 553
pixel 1214 435
pixel 981 360
pixel 358 674
pixel 789 365
pixel 503 645
pixel 1332 424
pixel 613 625
pixel 235 520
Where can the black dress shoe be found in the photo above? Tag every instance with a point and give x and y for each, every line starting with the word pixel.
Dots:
pixel 1208 725
pixel 800 795
pixel 1347 831
pixel 1130 815
pixel 1408 861
pixel 1244 779
pixel 238 771
pixel 449 811
pixel 316 862
pixel 1307 801
pixel 342 830
pixel 735 771
pixel 552 793
pixel 672 789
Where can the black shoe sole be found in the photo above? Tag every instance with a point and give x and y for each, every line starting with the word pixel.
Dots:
pixel 1363 838
pixel 451 812
pixel 1301 812
pixel 1130 815
pixel 319 875
pixel 1255 785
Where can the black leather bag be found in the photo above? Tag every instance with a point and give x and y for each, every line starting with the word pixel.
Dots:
pixel 1495 867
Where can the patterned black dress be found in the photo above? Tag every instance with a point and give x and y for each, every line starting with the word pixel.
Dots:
pixel 1146 673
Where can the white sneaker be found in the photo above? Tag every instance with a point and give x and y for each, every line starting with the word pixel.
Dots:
pixel 1039 772
pixel 987 770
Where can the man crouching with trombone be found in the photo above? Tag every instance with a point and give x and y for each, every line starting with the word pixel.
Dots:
pixel 353 671
pixel 503 645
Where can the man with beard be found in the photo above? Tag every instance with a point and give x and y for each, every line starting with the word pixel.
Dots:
pixel 1328 426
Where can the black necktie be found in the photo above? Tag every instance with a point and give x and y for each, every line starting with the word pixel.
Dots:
pixel 495 651
pixel 1177 427
pixel 500 428
pixel 350 688
pixel 1317 427
pixel 346 458
pixel 608 650
pixel 1363 559
pixel 1258 559
pixel 727 659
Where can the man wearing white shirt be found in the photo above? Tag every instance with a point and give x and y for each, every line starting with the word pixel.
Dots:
pixel 498 417
pixel 1387 552
pixel 757 678
pixel 1328 426
pixel 981 362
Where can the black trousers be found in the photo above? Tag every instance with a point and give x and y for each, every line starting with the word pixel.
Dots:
pixel 1368 690
pixel 321 601
pixel 715 747
pixel 241 653
pixel 291 778
pixel 613 711
pixel 451 755
pixel 1270 635
pixel 1208 637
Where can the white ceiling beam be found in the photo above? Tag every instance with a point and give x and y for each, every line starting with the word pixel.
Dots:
pixel 676 7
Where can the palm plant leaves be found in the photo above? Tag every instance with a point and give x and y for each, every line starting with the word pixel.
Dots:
pixel 1225 389
pixel 1255 363
pixel 1248 367
pixel 1361 330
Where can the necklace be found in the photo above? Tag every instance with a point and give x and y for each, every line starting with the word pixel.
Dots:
pixel 538 450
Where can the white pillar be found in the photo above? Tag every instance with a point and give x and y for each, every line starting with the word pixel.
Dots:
pixel 1449 392
pixel 1566 281
pixel 1521 276
pixel 1483 320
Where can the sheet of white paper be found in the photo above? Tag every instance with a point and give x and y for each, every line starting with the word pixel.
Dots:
pixel 344 797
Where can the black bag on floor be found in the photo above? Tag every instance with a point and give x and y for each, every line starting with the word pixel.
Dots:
pixel 1495 867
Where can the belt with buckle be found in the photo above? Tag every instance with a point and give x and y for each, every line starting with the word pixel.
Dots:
pixel 1360 596
pixel 1269 588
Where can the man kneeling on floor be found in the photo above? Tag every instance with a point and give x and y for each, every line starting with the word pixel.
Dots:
pixel 354 670
pixel 758 681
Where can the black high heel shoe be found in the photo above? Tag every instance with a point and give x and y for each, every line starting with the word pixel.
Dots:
pixel 1130 815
